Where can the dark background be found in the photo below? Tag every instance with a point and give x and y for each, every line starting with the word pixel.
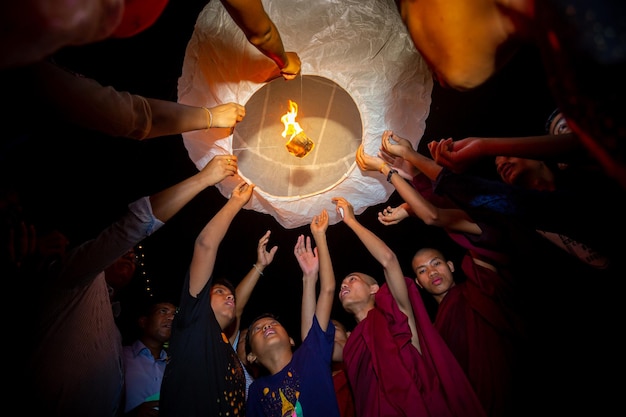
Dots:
pixel 80 181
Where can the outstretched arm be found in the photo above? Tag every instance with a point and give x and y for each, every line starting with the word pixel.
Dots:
pixel 209 239
pixel 309 263
pixel 459 155
pixel 166 203
pixel 87 103
pixel 261 32
pixel 312 265
pixel 394 145
pixel 246 286
pixel 385 256
pixel 451 219
pixel 324 307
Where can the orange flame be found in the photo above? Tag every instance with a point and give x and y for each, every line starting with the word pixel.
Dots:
pixel 292 127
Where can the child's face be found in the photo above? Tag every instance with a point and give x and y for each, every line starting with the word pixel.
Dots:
pixel 266 333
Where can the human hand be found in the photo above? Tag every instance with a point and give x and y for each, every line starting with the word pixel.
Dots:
pixel 265 257
pixel 220 167
pixel 242 193
pixel 390 215
pixel 227 115
pixel 456 155
pixel 344 208
pixel 306 257
pixel 292 69
pixel 319 224
pixel 395 145
pixel 368 162
pixel 405 169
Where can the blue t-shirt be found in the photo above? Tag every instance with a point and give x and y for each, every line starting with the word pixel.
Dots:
pixel 304 386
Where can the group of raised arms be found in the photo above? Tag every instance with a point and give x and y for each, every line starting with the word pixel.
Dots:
pixel 509 324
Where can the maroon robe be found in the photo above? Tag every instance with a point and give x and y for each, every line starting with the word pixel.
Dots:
pixel 483 334
pixel 389 377
pixel 345 399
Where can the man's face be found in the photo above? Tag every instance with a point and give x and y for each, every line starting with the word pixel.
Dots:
pixel 433 273
pixel 223 305
pixel 522 172
pixel 158 324
pixel 355 289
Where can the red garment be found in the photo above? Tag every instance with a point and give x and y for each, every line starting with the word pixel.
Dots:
pixel 138 16
pixel 389 377
pixel 343 390
pixel 482 334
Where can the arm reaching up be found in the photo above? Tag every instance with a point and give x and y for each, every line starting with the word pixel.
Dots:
pixel 244 289
pixel 261 32
pixel 209 239
pixel 388 260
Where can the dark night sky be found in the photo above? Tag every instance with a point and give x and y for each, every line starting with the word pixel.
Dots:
pixel 79 182
pixel 516 102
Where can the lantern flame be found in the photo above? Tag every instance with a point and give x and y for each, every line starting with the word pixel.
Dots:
pixel 299 144
pixel 292 127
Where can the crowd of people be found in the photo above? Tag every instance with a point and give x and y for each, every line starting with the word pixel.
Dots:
pixel 529 304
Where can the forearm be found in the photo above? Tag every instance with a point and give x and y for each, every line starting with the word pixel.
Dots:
pixel 259 29
pixel 246 286
pixel 308 304
pixel 168 202
pixel 419 206
pixel 216 229
pixel 92 257
pixel 327 281
pixel 423 163
pixel 532 147
pixel 171 118
pixel 379 250
pixel 271 45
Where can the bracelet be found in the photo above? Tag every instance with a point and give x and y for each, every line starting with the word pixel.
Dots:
pixel 381 167
pixel 257 269
pixel 391 172
pixel 209 118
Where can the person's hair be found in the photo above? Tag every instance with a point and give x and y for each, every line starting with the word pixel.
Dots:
pixel 550 118
pixel 150 306
pixel 252 323
pixel 429 249
pixel 226 283
pixel 370 280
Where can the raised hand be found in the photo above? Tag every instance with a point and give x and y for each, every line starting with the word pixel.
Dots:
pixel 220 167
pixel 306 256
pixel 368 162
pixel 456 155
pixel 395 145
pixel 390 216
pixel 344 208
pixel 242 193
pixel 265 257
pixel 319 224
